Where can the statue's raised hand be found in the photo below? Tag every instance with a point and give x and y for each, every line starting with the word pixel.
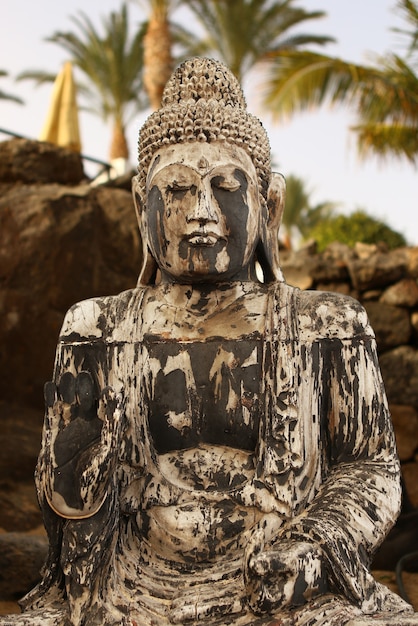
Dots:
pixel 83 429
pixel 289 574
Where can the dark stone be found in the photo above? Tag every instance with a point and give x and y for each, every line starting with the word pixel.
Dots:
pixel 391 324
pixel 400 373
pixel 21 559
pixel 28 161
pixel 377 270
pixel 403 293
pixel 58 245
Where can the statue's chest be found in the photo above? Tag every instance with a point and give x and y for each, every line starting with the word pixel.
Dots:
pixel 203 392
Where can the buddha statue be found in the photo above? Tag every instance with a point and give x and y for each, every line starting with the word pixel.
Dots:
pixel 217 446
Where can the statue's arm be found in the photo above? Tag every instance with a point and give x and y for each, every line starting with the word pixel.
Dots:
pixel 330 542
pixel 360 497
pixel 83 418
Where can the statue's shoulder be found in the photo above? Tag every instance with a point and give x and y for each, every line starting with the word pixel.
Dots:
pixel 329 315
pixel 97 318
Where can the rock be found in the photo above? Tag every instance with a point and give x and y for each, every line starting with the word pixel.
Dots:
pixel 21 559
pixel 402 539
pixel 405 422
pixel 391 324
pixel 19 506
pixel 400 374
pixel 411 254
pixel 27 161
pixel 372 294
pixel 403 293
pixel 305 268
pixel 294 268
pixel 410 475
pixel 365 250
pixel 414 322
pixel 337 287
pixel 58 245
pixel 377 270
pixel 20 442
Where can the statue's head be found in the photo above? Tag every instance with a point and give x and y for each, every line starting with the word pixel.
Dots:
pixel 207 203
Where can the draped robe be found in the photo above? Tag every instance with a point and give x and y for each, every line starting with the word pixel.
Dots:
pixel 325 471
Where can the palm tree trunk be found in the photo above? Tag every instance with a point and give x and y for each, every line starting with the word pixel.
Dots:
pixel 119 146
pixel 158 60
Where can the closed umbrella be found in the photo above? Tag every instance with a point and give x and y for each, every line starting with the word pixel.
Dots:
pixel 61 125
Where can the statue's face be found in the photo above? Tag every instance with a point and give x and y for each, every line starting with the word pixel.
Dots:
pixel 203 212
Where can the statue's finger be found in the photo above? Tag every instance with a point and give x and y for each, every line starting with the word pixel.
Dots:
pixel 85 391
pixel 50 394
pixel 66 388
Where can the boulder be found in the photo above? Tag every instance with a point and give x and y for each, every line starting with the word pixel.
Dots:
pixel 21 559
pixel 27 161
pixel 377 270
pixel 391 324
pixel 403 293
pixel 58 245
pixel 400 373
pixel 405 422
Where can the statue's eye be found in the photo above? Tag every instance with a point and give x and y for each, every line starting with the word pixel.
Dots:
pixel 225 184
pixel 179 187
pixel 178 190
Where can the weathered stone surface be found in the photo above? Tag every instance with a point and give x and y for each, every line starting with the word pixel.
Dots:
pixel 414 322
pixel 410 475
pixel 400 373
pixel 403 293
pixel 377 270
pixel 411 255
pixel 343 288
pixel 58 245
pixel 405 421
pixel 27 161
pixel 20 441
pixel 21 559
pixel 306 268
pixel 294 267
pixel 391 324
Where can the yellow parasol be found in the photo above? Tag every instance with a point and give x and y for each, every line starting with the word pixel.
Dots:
pixel 61 125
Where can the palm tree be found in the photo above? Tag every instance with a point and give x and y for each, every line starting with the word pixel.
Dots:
pixel 112 62
pixel 158 59
pixel 8 96
pixel 385 96
pixel 246 32
pixel 299 214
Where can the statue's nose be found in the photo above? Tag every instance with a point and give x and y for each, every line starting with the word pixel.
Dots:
pixel 205 208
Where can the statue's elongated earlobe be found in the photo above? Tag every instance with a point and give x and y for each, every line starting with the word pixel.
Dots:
pixel 276 197
pixel 149 266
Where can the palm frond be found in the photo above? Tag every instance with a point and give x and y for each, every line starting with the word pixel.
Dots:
pixel 387 140
pixel 301 80
pixel 245 32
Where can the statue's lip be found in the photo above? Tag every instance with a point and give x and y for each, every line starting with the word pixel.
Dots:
pixel 203 238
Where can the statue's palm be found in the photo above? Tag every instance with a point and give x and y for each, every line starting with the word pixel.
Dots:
pixel 81 444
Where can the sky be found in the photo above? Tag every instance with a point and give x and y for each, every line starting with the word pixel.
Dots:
pixel 316 146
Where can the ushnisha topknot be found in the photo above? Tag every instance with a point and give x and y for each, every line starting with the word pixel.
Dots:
pixel 203 101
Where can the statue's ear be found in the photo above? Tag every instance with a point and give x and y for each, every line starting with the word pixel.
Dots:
pixel 139 205
pixel 149 266
pixel 276 197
